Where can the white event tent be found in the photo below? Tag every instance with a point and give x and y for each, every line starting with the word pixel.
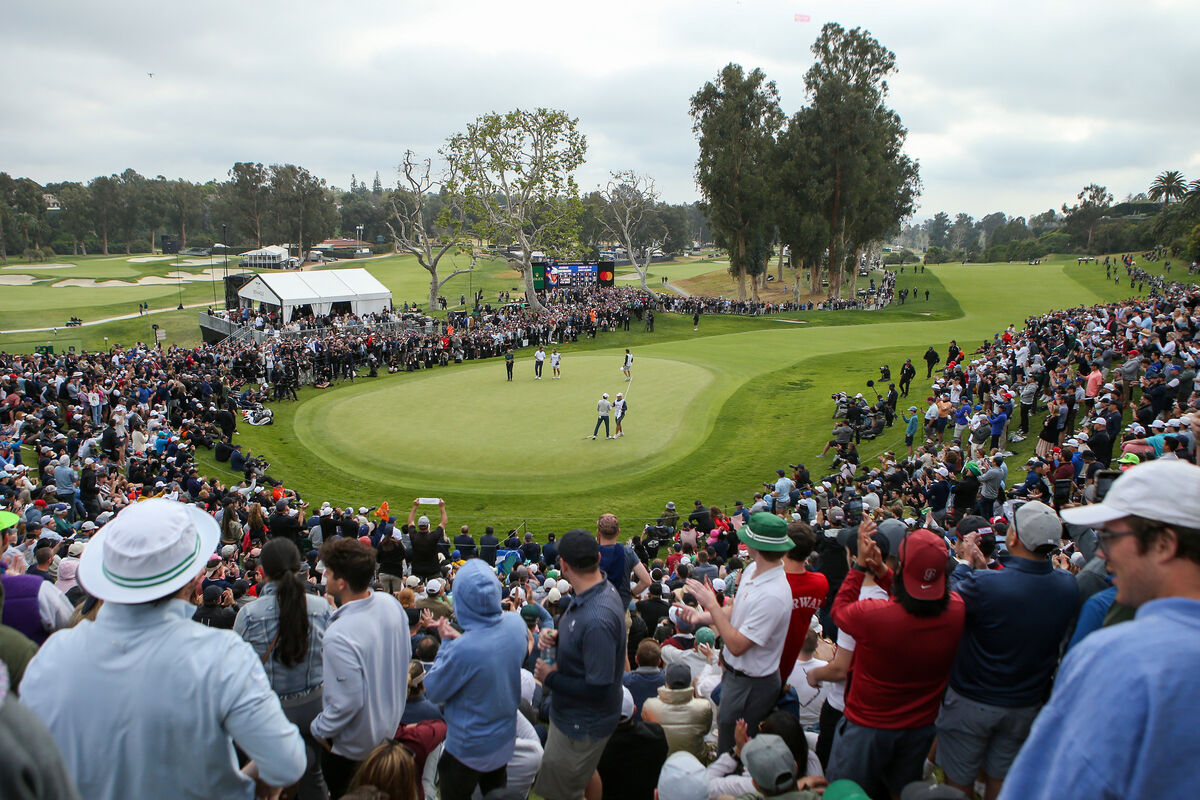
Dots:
pixel 287 291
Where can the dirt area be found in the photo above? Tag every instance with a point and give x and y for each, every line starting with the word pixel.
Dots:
pixel 18 280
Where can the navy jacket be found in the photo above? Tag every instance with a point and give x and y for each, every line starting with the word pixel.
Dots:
pixel 1016 619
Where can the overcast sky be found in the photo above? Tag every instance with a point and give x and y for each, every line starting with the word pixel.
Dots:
pixel 1011 106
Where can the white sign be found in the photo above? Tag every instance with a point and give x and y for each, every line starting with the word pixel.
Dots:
pixel 160 335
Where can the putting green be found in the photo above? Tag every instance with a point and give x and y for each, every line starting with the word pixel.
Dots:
pixel 469 427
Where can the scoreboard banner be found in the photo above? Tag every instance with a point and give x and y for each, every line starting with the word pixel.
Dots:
pixel 572 275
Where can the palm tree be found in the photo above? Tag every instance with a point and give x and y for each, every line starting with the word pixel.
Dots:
pixel 1192 196
pixel 1168 186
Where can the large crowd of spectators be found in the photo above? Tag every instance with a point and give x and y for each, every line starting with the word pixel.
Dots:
pixel 868 628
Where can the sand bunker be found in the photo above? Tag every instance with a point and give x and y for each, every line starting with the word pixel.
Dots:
pixel 147 259
pixel 18 280
pixel 170 279
pixel 39 266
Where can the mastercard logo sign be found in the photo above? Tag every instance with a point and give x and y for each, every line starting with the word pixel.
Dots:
pixel 606 275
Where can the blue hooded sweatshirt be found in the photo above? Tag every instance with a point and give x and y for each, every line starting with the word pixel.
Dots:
pixel 478 675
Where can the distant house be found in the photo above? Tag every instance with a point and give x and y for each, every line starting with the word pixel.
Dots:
pixel 343 248
pixel 270 257
pixel 51 202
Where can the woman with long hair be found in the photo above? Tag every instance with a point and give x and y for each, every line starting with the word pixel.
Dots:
pixel 286 627
pixel 256 523
pixel 231 526
pixel 391 769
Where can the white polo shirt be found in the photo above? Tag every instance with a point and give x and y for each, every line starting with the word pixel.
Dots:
pixel 761 612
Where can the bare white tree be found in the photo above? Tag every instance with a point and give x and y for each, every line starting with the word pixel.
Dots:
pixel 515 172
pixel 416 235
pixel 629 200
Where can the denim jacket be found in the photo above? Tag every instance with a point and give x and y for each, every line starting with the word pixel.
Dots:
pixel 258 622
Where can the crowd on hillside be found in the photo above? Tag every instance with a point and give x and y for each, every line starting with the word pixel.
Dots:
pixel 868 628
pixel 314 349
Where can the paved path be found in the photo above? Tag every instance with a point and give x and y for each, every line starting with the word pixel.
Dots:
pixel 107 319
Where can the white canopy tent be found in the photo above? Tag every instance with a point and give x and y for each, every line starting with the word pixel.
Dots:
pixel 288 291
pixel 272 257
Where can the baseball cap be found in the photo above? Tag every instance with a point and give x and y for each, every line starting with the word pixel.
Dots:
pixel 678 676
pixel 764 532
pixel 1163 491
pixel 1036 525
pixel 422 521
pixel 579 549
pixel 683 777
pixel 770 763
pixel 434 586
pixel 846 789
pixel 971 524
pixel 894 531
pixel 923 564
pixel 412 581
pixel 627 705
pixel 705 635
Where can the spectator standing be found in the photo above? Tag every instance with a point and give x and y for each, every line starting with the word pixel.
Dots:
pixel 1016 620
pixel 364 661
pixel 588 651
pixel 905 648
pixel 618 562
pixel 753 631
pixel 488 544
pixel 1107 689
pixel 808 588
pixel 141 656
pixel 286 627
pixel 476 677
pixel 465 543
pixel 424 555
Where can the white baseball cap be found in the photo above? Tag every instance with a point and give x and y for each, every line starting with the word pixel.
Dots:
pixel 682 777
pixel 604 396
pixel 1163 491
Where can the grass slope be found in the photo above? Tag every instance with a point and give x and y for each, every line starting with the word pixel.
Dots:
pixel 765 403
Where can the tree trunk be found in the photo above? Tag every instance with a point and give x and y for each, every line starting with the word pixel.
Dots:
pixel 741 281
pixel 779 266
pixel 433 287
pixel 104 240
pixel 530 293
pixel 183 232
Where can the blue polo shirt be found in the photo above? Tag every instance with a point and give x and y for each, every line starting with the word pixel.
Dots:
pixel 591 649
pixel 1016 619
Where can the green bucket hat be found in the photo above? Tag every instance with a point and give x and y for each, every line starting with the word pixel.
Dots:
pixel 8 519
pixel 973 468
pixel 766 532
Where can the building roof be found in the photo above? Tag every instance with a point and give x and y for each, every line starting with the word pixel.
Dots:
pixel 334 285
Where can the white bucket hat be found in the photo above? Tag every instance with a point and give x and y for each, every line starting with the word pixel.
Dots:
pixel 148 551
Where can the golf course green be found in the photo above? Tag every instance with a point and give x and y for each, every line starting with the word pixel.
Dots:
pixel 712 414
pixel 434 428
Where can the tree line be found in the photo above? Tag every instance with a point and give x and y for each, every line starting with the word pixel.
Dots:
pixel 1167 215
